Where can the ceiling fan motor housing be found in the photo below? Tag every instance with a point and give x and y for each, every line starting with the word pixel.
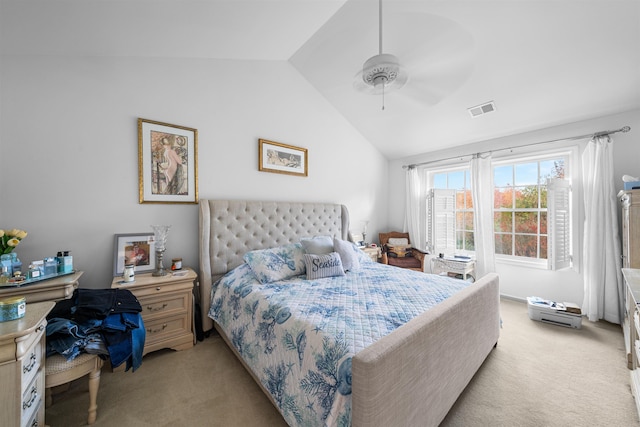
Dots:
pixel 382 69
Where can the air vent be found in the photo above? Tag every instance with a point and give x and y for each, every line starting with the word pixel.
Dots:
pixel 482 109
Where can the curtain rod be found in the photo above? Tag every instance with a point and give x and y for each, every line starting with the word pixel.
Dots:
pixel 624 129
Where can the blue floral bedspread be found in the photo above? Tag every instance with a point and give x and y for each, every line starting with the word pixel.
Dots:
pixel 298 336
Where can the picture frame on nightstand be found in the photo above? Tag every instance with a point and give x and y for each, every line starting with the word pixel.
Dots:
pixel 134 248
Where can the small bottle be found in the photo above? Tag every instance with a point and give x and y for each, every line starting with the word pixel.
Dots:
pixel 16 264
pixel 5 276
pixel 34 272
pixel 5 261
pixel 128 275
pixel 60 262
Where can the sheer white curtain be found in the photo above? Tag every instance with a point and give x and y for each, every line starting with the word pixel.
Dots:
pixel 482 197
pixel 413 212
pixel 602 267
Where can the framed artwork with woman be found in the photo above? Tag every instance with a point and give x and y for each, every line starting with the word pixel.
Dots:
pixel 167 163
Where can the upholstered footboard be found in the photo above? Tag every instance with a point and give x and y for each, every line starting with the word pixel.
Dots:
pixel 414 375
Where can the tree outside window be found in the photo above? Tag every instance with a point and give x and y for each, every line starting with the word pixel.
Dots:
pixel 520 206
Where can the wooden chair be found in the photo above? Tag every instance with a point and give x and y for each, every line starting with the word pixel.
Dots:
pixel 413 262
pixel 58 371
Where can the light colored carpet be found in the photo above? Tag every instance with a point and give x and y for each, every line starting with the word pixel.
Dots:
pixel 538 375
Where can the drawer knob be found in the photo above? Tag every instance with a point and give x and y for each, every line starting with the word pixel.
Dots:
pixel 32 363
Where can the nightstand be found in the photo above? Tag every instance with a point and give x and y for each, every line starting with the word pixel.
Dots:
pixel 167 308
pixel 374 253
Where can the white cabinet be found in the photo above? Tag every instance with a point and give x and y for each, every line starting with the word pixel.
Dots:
pixel 22 357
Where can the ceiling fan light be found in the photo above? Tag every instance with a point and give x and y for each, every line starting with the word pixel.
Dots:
pixel 383 71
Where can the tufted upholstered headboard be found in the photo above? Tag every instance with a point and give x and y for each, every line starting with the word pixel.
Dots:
pixel 230 228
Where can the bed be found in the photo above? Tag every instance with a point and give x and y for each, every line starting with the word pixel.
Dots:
pixel 406 368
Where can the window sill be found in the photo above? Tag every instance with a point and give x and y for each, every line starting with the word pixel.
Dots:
pixel 523 262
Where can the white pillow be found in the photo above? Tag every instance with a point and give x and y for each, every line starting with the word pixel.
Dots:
pixel 318 245
pixel 398 241
pixel 349 254
pixel 319 266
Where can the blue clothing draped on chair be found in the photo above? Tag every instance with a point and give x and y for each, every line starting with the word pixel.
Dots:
pixel 98 321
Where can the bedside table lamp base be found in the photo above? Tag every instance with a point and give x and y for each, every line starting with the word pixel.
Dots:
pixel 159 271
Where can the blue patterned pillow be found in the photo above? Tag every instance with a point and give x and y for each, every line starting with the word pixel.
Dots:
pixel 271 265
pixel 319 266
pixel 349 254
pixel 318 245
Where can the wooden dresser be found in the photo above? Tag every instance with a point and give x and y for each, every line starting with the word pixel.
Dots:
pixel 22 354
pixel 167 308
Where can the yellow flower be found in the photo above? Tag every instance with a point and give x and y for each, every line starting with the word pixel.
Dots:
pixel 9 239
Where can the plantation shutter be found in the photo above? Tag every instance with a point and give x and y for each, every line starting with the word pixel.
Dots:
pixel 559 224
pixel 441 221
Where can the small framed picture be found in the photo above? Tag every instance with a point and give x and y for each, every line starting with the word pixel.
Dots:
pixel 167 163
pixel 134 248
pixel 281 158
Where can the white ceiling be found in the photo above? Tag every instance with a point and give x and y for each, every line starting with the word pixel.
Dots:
pixel 543 62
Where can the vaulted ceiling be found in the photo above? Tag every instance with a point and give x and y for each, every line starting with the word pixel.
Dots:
pixel 542 62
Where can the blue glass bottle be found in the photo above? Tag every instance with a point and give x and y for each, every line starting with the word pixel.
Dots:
pixel 16 264
pixel 5 261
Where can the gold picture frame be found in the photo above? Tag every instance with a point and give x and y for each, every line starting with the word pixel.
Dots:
pixel 276 157
pixel 167 163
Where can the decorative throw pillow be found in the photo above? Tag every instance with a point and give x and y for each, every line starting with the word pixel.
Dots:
pixel 318 245
pixel 349 254
pixel 271 265
pixel 319 266
pixel 398 241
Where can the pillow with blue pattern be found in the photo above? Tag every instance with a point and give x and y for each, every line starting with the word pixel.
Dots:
pixel 282 262
pixel 319 266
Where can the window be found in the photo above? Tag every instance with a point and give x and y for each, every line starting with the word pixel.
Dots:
pixel 453 209
pixel 531 210
pixel 520 206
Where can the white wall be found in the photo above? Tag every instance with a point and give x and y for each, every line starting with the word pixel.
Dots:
pixel 68 144
pixel 517 281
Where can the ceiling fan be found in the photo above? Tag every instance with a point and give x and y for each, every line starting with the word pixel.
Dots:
pixel 439 64
pixel 381 72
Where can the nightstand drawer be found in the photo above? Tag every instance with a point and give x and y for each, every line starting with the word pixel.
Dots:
pixel 165 328
pixel 163 305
